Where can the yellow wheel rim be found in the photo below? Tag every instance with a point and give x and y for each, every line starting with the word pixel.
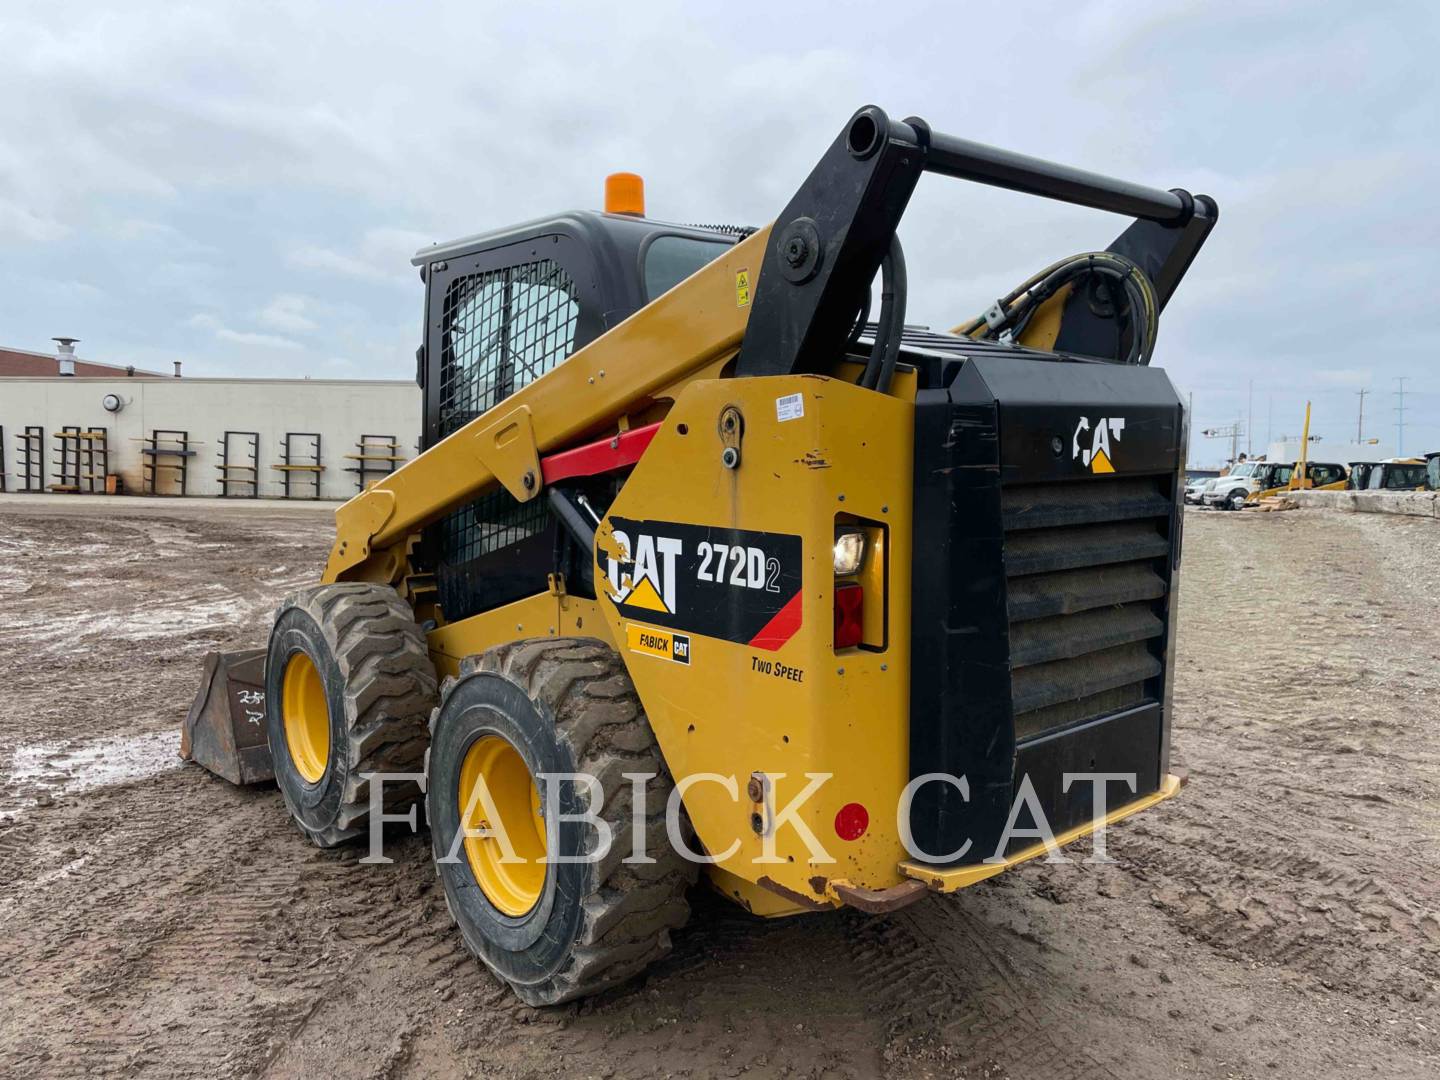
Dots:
pixel 509 804
pixel 307 718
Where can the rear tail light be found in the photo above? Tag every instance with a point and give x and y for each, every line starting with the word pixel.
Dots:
pixel 849 616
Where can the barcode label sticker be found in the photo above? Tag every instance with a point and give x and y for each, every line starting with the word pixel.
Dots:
pixel 789 407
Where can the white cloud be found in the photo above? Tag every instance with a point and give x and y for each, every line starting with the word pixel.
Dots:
pixel 287 312
pixel 1344 376
pixel 24 225
pixel 383 255
pixel 259 341
pixel 334 262
pixel 221 332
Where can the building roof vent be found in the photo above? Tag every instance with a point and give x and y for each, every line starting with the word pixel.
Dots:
pixel 66 354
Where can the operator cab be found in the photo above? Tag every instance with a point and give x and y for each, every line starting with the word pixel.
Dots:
pixel 1360 474
pixel 1325 474
pixel 1397 474
pixel 502 308
pixel 1270 475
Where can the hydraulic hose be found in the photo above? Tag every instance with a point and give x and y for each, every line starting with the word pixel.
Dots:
pixel 901 288
pixel 1014 311
pixel 891 328
pixel 882 326
pixel 861 321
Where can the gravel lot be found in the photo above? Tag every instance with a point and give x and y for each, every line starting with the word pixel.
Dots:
pixel 1280 919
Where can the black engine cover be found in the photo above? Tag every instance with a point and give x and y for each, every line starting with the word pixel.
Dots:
pixel 1047 525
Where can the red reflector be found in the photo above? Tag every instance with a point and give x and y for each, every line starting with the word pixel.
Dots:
pixel 849 616
pixel 851 821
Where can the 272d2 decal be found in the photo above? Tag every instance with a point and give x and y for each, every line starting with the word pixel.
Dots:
pixel 735 584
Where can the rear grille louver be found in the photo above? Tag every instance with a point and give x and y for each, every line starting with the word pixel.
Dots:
pixel 1086 589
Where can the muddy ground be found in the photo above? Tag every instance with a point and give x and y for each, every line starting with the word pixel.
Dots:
pixel 1280 919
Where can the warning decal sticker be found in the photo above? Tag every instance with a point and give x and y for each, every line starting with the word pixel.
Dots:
pixel 742 288
pixel 734 584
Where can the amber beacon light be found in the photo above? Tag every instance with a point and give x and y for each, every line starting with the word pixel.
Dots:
pixel 625 194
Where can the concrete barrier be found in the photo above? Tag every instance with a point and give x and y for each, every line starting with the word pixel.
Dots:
pixel 1425 504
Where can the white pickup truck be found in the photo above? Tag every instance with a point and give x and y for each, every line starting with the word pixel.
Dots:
pixel 1230 491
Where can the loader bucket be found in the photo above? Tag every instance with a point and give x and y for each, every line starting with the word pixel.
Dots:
pixel 225 729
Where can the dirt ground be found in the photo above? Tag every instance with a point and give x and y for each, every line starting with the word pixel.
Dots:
pixel 1280 919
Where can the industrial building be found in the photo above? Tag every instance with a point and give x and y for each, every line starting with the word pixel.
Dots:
pixel 72 425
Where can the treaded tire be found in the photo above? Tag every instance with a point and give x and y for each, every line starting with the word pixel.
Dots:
pixel 379 691
pixel 568 706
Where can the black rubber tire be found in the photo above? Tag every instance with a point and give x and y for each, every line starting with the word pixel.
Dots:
pixel 568 706
pixel 1231 502
pixel 380 689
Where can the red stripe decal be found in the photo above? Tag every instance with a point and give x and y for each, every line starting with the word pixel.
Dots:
pixel 616 452
pixel 782 626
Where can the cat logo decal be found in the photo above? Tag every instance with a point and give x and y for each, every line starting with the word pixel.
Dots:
pixel 1092 446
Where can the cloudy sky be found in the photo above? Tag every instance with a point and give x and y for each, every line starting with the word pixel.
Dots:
pixel 241 186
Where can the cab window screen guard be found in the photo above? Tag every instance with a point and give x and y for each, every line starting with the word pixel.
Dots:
pixel 503 329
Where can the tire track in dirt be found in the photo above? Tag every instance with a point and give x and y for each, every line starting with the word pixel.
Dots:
pixel 1305 836
pixel 954 999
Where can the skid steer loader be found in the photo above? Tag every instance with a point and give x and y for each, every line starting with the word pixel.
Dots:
pixel 700 556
